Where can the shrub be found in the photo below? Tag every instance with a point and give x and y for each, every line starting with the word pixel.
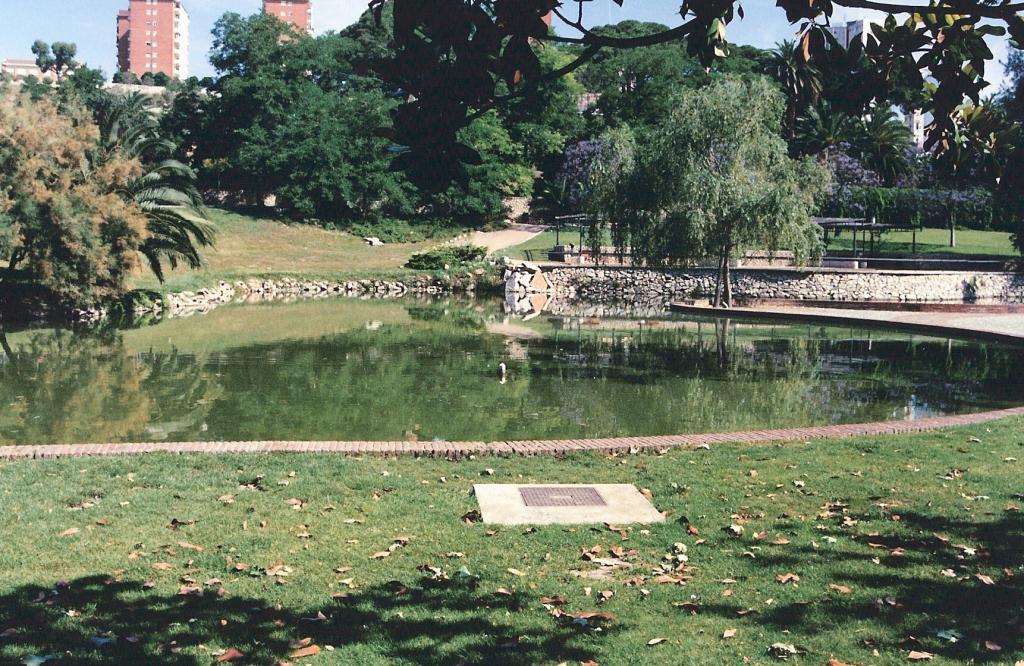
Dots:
pixel 447 257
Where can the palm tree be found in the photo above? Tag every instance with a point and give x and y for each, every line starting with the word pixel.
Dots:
pixel 884 143
pixel 166 190
pixel 800 80
pixel 821 128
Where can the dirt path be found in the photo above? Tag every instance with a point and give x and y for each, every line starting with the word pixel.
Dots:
pixel 496 241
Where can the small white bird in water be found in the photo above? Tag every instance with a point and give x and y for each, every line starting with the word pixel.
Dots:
pixel 502 372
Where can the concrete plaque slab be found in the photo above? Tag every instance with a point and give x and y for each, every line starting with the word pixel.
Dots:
pixel 560 504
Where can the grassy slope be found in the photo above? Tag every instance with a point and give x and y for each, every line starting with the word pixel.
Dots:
pixel 947 500
pixel 248 246
pixel 929 241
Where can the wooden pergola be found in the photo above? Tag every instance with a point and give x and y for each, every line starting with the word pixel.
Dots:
pixel 871 232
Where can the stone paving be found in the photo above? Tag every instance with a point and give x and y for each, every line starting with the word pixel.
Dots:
pixel 455 450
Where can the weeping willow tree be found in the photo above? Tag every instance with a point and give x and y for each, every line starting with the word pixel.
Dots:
pixel 712 181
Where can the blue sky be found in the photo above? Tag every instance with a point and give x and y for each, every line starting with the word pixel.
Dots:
pixel 91 24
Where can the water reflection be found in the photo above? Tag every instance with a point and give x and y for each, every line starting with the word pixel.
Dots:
pixel 393 370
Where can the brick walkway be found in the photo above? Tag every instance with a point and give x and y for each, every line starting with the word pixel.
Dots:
pixel 531 447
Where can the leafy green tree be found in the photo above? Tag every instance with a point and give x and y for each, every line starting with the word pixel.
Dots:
pixel 635 87
pixel 291 117
pixel 330 162
pixel 716 179
pixel 129 78
pixel 547 118
pixel 499 173
pixel 58 58
pixel 475 51
pixel 84 84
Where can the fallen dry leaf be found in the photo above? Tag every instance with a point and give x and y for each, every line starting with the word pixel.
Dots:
pixel 231 654
pixel 515 572
pixel 841 589
pixel 71 531
pixel 656 641
pixel 787 578
pixel 307 651
pixel 728 633
pixel 987 580
pixel 920 656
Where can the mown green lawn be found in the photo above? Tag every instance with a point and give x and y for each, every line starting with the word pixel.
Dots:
pixel 254 247
pixel 929 241
pixel 536 249
pixel 901 544
pixel 932 241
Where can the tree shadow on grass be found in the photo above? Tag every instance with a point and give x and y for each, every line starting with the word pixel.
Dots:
pixel 97 620
pixel 980 596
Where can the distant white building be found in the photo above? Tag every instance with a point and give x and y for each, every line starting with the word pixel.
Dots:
pixel 915 122
pixel 852 32
pixel 18 70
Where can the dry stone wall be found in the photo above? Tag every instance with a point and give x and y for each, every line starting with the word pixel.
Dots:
pixel 653 287
pixel 185 303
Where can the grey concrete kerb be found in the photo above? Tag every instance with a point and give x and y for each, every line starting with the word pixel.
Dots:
pixel 454 450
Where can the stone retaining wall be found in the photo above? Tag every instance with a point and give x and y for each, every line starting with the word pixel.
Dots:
pixel 186 303
pixel 650 287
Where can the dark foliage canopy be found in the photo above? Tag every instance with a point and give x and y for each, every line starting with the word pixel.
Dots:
pixel 455 59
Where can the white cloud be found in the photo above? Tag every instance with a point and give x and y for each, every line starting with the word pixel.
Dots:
pixel 336 14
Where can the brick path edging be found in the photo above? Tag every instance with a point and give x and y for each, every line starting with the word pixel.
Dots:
pixel 453 450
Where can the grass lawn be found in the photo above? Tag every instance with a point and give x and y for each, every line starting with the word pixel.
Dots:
pixel 929 241
pixel 248 247
pixel 536 249
pixel 932 241
pixel 901 545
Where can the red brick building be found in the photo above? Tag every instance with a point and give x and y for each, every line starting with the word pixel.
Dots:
pixel 296 12
pixel 152 36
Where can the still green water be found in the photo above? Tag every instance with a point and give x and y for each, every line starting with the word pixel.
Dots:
pixel 394 370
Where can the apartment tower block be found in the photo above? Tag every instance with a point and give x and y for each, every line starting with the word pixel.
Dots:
pixel 298 13
pixel 152 36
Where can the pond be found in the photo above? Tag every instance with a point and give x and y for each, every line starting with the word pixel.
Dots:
pixel 424 370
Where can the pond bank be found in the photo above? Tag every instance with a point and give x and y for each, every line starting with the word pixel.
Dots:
pixel 456 450
pixel 647 286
